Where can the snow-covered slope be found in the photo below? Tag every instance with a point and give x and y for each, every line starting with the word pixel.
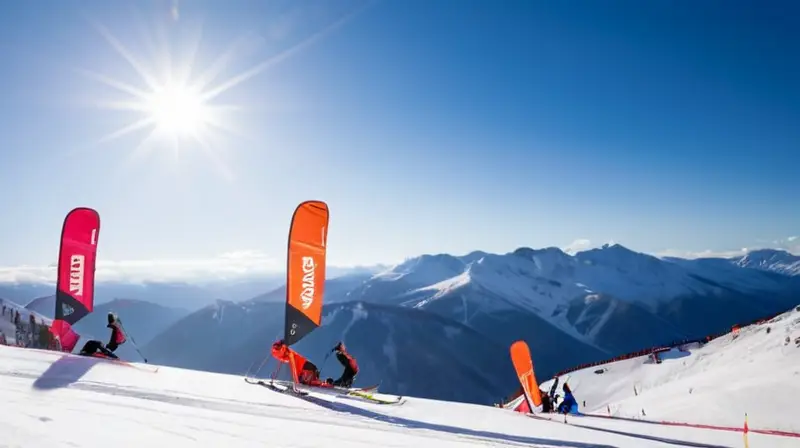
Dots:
pixel 7 326
pixel 409 351
pixel 755 372
pixel 48 399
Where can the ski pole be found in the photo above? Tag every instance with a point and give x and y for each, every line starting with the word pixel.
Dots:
pixel 132 340
pixel 264 361
pixel 324 361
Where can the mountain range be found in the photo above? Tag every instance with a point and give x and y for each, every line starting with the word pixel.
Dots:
pixel 440 326
pixel 186 295
pixel 189 295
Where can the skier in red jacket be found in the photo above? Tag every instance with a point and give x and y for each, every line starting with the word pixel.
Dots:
pixel 117 335
pixel 350 366
pixel 305 372
pixel 117 338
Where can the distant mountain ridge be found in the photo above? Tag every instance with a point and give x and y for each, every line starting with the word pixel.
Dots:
pixel 570 309
pixel 591 296
pixel 190 295
pixel 778 261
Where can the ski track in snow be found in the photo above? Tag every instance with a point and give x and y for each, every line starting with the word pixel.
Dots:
pixel 51 399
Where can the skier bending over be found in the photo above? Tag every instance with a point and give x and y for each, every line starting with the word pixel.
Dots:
pixel 350 366
pixel 569 405
pixel 117 339
pixel 305 372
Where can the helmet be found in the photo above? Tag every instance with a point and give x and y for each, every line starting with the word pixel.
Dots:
pixel 111 318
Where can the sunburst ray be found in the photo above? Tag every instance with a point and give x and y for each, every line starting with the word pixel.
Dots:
pixel 176 102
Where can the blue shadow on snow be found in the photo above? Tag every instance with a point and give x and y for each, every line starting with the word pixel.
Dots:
pixel 408 423
pixel 674 354
pixel 65 371
pixel 654 438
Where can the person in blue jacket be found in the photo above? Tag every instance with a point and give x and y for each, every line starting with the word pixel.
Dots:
pixel 568 405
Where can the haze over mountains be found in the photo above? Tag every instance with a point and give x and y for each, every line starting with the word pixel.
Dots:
pixel 190 295
pixel 440 326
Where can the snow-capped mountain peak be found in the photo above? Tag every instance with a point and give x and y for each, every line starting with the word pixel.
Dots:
pixel 773 260
pixel 425 269
pixel 586 296
pixel 546 260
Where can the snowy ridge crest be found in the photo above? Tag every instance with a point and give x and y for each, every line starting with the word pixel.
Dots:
pixel 779 261
pixel 590 293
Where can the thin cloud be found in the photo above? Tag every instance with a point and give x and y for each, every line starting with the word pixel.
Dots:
pixel 691 255
pixel 789 244
pixel 577 246
pixel 224 266
pixel 583 244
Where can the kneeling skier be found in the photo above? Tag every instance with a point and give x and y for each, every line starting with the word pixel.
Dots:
pixel 303 370
pixel 349 363
pixel 117 338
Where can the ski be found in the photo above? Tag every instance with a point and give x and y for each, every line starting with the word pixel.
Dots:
pixel 366 390
pixel 284 390
pixel 148 368
pixel 373 399
pixel 369 389
pixel 288 388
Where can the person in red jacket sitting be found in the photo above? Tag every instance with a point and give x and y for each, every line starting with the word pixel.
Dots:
pixel 117 338
pixel 117 335
pixel 305 372
pixel 350 366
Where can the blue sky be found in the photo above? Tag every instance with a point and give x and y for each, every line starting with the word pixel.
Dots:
pixel 428 126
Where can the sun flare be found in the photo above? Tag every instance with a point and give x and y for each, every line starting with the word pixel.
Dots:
pixel 178 110
pixel 176 103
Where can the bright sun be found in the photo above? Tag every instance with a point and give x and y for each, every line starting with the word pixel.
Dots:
pixel 178 110
pixel 174 105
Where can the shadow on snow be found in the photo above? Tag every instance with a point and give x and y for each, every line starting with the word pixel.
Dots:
pixel 415 424
pixel 655 438
pixel 65 371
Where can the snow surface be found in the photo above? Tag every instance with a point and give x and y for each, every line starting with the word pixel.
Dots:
pixel 755 372
pixel 51 399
